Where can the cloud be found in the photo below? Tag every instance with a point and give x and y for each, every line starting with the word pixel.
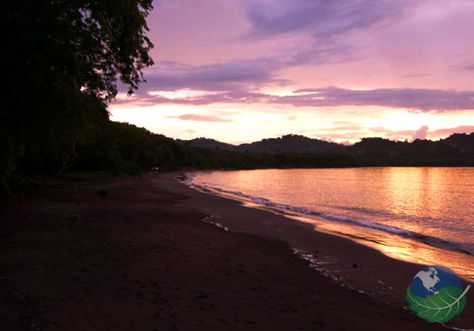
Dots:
pixel 343 128
pixel 319 23
pixel 216 77
pixel 416 100
pixel 463 67
pixel 226 97
pixel 419 100
pixel 201 118
pixel 320 18
pixel 421 133
pixel 318 54
pixel 223 82
pixel 416 75
pixel 450 131
pixel 343 123
pixel 241 73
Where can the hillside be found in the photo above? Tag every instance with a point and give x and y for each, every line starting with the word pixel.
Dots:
pixel 454 148
pixel 292 143
pixel 207 143
pixel 286 144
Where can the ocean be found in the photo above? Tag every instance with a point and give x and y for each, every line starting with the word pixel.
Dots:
pixel 423 215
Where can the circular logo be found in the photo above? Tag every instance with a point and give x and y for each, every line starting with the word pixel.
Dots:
pixel 436 294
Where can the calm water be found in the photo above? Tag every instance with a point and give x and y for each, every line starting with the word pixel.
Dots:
pixel 423 215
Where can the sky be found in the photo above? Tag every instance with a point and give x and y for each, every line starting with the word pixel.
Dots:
pixel 242 70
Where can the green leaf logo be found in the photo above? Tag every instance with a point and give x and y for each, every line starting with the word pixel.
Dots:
pixel 440 307
pixel 436 294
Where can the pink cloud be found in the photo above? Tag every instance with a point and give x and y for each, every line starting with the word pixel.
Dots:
pixel 421 133
pixel 450 131
pixel 417 100
pixel 201 118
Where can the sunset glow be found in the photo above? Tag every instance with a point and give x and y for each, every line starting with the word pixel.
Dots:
pixel 242 70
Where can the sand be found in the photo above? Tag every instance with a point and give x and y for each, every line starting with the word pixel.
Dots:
pixel 144 257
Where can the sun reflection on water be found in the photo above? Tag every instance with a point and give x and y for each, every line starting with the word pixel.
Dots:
pixel 434 204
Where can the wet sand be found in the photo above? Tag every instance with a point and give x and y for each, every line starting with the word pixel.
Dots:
pixel 144 257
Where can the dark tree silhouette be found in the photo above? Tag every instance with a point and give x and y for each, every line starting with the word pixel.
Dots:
pixel 61 61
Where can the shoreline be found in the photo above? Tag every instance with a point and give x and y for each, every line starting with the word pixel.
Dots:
pixel 349 263
pixel 367 235
pixel 143 258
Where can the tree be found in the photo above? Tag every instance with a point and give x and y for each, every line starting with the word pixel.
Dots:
pixel 87 43
pixel 61 62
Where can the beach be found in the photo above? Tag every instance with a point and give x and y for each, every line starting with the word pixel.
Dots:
pixel 151 253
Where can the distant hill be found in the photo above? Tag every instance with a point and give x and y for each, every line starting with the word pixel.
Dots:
pixel 457 149
pixel 207 143
pixel 300 151
pixel 286 144
pixel 292 143
pixel 462 142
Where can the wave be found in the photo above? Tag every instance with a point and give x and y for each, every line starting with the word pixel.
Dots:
pixel 284 208
pixel 448 223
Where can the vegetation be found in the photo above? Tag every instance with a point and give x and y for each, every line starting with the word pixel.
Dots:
pixel 61 60
pixel 124 147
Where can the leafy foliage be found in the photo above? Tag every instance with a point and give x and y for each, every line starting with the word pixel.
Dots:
pixel 60 64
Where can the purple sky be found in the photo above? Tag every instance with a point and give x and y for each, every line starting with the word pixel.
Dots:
pixel 242 70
